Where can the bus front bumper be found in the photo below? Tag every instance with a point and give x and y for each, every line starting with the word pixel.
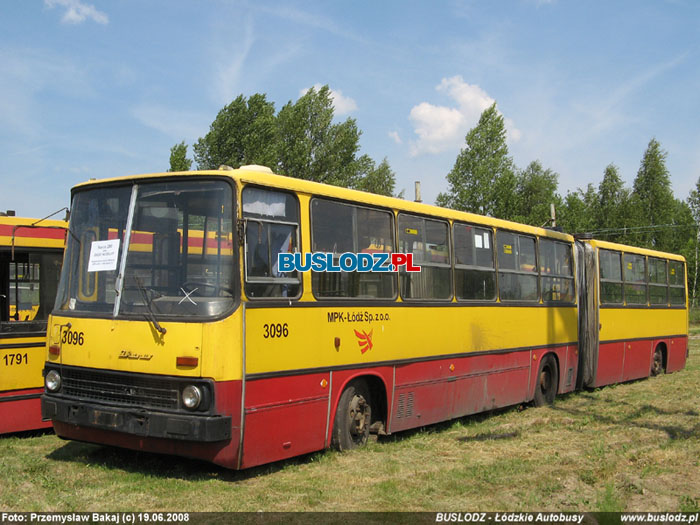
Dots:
pixel 137 422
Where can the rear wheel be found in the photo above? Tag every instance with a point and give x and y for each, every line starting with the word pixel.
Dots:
pixel 353 417
pixel 547 382
pixel 657 365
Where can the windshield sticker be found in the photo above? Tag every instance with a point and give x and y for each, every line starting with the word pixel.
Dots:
pixel 104 256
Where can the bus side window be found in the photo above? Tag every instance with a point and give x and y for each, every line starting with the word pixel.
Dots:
pixel 610 264
pixel 556 271
pixel 339 228
pixel 517 267
pixel 271 227
pixel 676 278
pixel 658 281
pixel 475 271
pixel 428 241
pixel 634 273
pixel 28 290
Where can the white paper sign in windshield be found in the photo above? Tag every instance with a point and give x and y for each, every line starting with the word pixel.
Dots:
pixel 103 256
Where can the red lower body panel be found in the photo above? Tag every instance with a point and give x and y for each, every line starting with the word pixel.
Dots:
pixel 285 417
pixel 20 410
pixel 432 391
pixel 620 361
pixel 677 351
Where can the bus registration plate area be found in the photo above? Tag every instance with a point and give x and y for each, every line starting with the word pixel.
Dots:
pixel 106 418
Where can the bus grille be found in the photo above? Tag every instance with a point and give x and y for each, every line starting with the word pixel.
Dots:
pixel 119 388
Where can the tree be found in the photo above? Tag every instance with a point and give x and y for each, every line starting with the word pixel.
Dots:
pixel 242 133
pixel 615 213
pixel 578 212
pixel 178 158
pixel 536 190
pixel 653 199
pixel 311 147
pixel 694 207
pixel 300 141
pixel 375 179
pixel 483 171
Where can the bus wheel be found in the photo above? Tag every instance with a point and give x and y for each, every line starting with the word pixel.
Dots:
pixel 547 382
pixel 657 366
pixel 353 417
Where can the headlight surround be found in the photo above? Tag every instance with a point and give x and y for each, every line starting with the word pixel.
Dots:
pixel 191 397
pixel 52 381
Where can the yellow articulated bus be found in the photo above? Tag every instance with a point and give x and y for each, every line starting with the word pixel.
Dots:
pixel 31 251
pixel 180 328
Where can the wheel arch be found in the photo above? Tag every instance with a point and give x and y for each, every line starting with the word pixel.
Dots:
pixel 536 370
pixel 378 390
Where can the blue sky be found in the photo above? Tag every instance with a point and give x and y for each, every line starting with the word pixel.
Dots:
pixel 96 88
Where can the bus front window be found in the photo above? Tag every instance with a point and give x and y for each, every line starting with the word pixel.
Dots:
pixel 179 257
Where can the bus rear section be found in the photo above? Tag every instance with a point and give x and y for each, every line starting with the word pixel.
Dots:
pixel 144 341
pixel 635 320
pixel 31 251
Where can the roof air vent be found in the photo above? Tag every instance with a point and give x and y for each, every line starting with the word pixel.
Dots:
pixel 256 167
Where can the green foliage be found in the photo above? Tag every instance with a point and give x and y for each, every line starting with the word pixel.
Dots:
pixel 243 133
pixel 301 141
pixel 579 211
pixel 311 147
pixel 615 212
pixel 536 190
pixel 375 179
pixel 483 171
pixel 653 199
pixel 178 158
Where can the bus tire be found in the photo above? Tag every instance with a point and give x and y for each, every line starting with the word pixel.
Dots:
pixel 547 382
pixel 657 364
pixel 352 417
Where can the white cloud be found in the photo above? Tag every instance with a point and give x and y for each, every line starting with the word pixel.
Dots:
pixel 440 128
pixel 437 127
pixel 77 12
pixel 342 104
pixel 394 135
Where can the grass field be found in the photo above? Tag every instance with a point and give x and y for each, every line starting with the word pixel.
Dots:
pixel 634 446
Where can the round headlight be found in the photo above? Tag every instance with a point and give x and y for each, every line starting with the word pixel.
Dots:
pixel 52 381
pixel 191 396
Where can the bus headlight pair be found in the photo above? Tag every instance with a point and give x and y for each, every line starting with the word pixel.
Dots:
pixel 191 395
pixel 52 381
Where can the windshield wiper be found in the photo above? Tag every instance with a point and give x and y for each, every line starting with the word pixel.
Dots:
pixel 149 315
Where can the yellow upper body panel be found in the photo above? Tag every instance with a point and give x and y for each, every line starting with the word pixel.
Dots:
pixel 618 324
pixel 136 346
pixel 21 364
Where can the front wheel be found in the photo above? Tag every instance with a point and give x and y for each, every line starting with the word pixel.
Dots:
pixel 353 417
pixel 547 382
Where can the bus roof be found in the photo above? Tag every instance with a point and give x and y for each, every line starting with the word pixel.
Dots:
pixel 253 175
pixel 633 249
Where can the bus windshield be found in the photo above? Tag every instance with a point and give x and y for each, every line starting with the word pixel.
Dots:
pixel 152 249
